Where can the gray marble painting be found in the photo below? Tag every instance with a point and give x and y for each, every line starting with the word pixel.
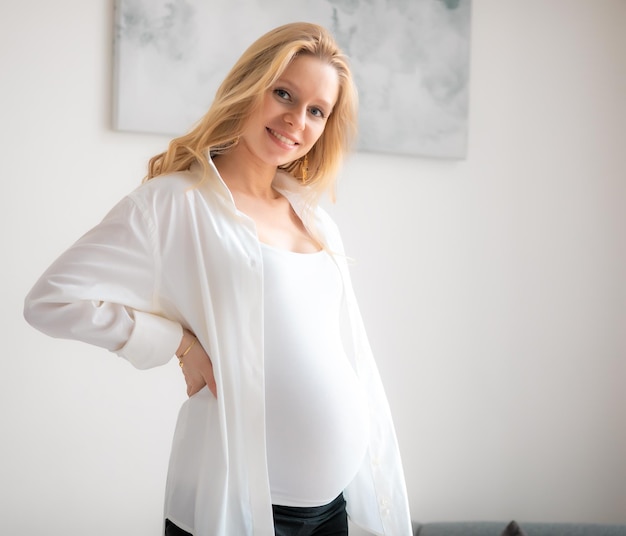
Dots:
pixel 410 60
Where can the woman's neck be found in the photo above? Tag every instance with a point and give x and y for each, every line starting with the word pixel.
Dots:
pixel 243 174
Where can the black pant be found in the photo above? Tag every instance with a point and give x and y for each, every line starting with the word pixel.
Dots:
pixel 173 530
pixel 328 520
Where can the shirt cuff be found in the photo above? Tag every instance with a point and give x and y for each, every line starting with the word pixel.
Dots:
pixel 153 341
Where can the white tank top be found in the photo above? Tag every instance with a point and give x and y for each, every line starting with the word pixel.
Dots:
pixel 316 415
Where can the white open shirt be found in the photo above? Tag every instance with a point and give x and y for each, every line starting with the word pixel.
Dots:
pixel 175 253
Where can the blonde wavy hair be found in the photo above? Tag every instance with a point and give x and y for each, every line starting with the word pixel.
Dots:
pixel 242 92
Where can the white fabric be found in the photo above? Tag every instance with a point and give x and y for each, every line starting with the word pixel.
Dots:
pixel 314 405
pixel 176 252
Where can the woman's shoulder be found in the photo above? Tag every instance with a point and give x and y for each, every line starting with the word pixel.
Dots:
pixel 327 225
pixel 176 188
pixel 169 185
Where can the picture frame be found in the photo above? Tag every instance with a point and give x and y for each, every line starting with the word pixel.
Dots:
pixel 410 60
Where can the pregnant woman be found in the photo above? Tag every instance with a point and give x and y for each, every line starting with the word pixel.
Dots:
pixel 223 258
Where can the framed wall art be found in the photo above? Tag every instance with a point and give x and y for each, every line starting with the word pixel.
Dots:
pixel 410 60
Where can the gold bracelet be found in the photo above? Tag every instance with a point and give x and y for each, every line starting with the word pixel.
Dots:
pixel 180 357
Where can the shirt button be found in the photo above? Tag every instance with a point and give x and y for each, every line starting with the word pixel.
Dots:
pixel 384 506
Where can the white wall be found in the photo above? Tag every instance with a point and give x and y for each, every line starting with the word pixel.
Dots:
pixel 493 288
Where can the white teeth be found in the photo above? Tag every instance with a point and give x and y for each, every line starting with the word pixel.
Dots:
pixel 282 138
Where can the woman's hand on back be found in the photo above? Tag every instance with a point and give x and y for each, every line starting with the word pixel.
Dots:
pixel 196 365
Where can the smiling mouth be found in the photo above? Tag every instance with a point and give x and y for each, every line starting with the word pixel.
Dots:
pixel 282 138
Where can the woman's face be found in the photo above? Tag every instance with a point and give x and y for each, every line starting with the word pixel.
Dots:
pixel 294 112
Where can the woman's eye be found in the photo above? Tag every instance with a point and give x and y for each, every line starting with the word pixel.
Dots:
pixel 317 113
pixel 282 94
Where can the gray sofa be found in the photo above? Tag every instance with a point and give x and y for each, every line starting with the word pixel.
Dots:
pixel 477 528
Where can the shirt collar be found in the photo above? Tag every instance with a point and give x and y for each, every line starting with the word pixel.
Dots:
pixel 299 195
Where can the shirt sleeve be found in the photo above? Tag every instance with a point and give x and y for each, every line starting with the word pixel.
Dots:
pixel 103 290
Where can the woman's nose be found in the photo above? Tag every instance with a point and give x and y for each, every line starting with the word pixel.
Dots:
pixel 297 118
